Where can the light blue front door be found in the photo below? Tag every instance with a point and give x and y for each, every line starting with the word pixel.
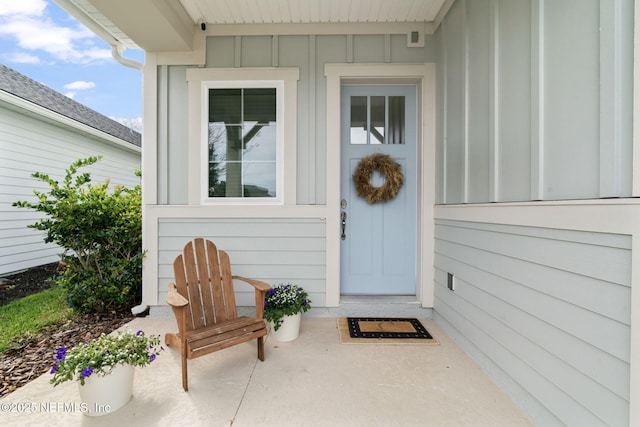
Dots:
pixel 378 252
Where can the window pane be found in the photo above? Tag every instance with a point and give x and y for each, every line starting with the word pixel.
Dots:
pixel 358 120
pixel 259 141
pixel 260 105
pixel 225 142
pixel 377 120
pixel 225 106
pixel 234 179
pixel 396 120
pixel 217 179
pixel 259 179
pixel 225 179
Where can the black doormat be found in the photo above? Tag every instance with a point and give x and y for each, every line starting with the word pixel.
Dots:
pixel 383 330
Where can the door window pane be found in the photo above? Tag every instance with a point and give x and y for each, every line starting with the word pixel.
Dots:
pixel 396 120
pixel 377 120
pixel 358 125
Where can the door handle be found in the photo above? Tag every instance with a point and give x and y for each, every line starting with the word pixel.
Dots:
pixel 343 218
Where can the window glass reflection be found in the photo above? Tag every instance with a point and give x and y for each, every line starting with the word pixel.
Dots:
pixel 358 125
pixel 242 140
pixel 377 120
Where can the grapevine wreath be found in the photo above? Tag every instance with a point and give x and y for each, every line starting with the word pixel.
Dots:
pixel 388 167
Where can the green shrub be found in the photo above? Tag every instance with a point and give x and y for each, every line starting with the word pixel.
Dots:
pixel 101 232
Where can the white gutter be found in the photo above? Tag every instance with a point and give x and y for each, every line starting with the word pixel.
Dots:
pixel 117 55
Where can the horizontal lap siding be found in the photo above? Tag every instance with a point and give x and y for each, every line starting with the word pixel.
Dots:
pixel 272 250
pixel 29 145
pixel 551 308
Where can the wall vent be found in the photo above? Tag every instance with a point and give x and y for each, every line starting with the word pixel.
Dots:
pixel 415 39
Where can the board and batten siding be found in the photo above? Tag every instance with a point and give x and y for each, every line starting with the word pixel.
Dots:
pixel 536 100
pixel 272 250
pixel 27 145
pixel 309 54
pixel 549 308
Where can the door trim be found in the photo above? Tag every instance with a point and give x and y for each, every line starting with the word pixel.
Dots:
pixel 424 75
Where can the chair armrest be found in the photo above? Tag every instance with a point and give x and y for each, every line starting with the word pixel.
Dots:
pixel 261 289
pixel 258 284
pixel 174 299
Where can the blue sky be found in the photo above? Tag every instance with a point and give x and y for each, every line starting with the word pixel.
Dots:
pixel 42 41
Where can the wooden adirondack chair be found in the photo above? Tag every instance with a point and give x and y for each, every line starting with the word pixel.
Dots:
pixel 203 301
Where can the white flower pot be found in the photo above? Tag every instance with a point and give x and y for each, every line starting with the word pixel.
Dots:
pixel 289 329
pixel 103 395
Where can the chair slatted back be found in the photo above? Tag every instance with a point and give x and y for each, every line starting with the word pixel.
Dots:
pixel 203 277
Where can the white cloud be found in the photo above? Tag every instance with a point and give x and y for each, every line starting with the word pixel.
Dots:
pixel 22 7
pixel 76 86
pixel 22 58
pixel 80 85
pixel 134 123
pixel 34 31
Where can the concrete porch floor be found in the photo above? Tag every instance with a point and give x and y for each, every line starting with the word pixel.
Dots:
pixel 312 381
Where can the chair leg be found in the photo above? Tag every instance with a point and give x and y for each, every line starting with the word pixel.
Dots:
pixel 185 384
pixel 261 348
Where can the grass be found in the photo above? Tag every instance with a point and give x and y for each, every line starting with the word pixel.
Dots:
pixel 25 318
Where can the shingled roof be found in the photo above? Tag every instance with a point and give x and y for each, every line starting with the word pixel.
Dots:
pixel 23 87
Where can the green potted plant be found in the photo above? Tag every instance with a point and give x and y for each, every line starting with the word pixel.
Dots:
pixel 104 368
pixel 283 307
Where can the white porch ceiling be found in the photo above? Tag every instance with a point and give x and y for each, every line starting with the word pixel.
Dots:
pixel 311 11
pixel 169 25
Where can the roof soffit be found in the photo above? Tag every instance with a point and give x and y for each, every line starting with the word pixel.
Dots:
pixel 170 25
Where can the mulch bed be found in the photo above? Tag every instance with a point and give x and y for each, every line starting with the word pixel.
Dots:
pixel 27 282
pixel 33 357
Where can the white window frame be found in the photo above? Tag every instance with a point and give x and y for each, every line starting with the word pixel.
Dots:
pixel 284 80
pixel 278 85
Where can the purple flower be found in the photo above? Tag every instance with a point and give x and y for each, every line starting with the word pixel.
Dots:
pixel 152 357
pixel 60 354
pixel 140 332
pixel 54 369
pixel 87 372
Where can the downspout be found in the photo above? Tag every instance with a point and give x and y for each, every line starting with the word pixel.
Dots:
pixel 117 55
